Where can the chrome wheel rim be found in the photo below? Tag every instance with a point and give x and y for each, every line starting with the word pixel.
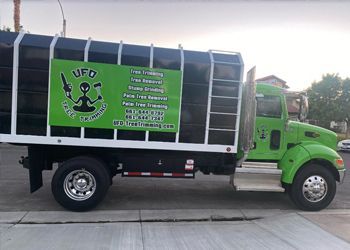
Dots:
pixel 315 188
pixel 79 185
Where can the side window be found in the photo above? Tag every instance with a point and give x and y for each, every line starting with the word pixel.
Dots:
pixel 269 106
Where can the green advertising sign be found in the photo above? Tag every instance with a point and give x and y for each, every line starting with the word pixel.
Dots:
pixel 96 95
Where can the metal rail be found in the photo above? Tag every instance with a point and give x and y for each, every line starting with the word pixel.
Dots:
pixel 48 139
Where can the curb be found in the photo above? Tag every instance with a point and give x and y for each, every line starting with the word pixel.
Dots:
pixel 175 215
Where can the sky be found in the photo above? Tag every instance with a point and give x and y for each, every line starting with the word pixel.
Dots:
pixel 298 41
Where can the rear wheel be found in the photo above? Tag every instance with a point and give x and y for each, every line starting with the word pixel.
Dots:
pixel 80 183
pixel 313 188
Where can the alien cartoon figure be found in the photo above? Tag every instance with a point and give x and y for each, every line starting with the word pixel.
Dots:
pixel 83 99
pixel 262 132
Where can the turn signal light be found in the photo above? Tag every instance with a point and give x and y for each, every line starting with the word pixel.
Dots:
pixel 339 162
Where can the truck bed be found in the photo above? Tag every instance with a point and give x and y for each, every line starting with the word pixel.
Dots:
pixel 210 100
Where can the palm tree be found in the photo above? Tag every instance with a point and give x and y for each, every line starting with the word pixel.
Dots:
pixel 16 14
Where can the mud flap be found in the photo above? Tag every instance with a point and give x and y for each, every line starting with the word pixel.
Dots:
pixel 36 162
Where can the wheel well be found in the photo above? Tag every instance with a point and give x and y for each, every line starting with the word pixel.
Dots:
pixel 108 157
pixel 324 163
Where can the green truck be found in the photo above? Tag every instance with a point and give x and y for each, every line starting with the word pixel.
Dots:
pixel 97 109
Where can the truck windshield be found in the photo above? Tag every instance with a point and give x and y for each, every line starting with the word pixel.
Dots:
pixel 269 106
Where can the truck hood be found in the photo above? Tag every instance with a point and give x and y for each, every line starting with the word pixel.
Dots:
pixel 308 132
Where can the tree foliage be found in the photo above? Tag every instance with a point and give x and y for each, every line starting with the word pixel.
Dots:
pixel 329 100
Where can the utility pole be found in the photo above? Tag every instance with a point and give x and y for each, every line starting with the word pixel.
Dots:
pixel 17 14
pixel 64 20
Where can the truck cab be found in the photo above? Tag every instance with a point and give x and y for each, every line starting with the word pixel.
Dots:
pixel 289 155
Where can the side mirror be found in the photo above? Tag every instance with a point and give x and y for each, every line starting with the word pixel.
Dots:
pixel 304 108
pixel 286 125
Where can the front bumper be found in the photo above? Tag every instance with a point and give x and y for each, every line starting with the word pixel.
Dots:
pixel 341 175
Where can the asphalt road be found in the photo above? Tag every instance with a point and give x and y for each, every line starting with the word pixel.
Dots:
pixel 205 192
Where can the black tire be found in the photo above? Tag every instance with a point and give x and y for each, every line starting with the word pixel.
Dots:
pixel 80 183
pixel 307 178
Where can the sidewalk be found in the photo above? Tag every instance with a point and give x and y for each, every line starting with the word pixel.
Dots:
pixel 176 229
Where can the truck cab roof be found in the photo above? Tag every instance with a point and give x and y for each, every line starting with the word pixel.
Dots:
pixel 267 88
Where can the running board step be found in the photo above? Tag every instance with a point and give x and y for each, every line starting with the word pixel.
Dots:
pixel 252 164
pixel 257 179
pixel 260 188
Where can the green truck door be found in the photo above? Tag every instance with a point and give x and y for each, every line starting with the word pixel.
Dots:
pixel 269 128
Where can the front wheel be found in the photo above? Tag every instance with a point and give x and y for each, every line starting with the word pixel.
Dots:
pixel 80 183
pixel 313 188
